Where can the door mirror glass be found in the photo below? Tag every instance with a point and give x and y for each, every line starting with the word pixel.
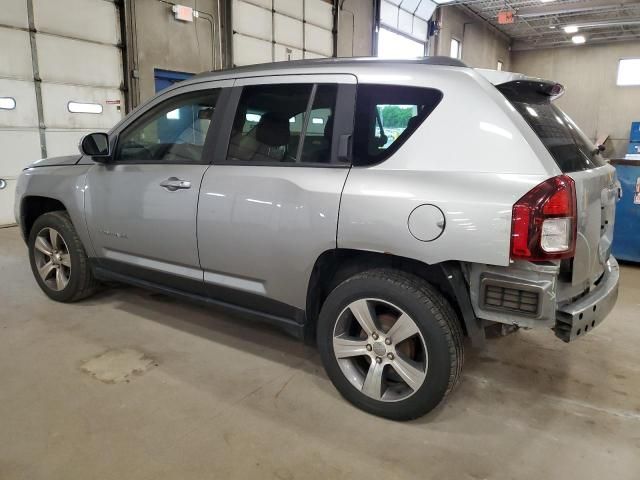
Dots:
pixel 95 145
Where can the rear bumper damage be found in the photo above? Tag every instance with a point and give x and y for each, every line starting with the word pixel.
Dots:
pixel 578 318
pixel 526 295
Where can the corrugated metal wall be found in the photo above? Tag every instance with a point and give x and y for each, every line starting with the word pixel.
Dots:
pixel 277 30
pixel 73 58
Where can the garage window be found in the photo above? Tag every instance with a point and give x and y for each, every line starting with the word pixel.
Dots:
pixel 387 116
pixel 7 103
pixel 283 124
pixel 81 107
pixel 629 72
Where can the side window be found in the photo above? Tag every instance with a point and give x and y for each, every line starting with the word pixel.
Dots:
pixel 289 123
pixel 386 116
pixel 173 132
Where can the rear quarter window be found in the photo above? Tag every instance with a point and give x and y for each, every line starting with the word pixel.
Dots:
pixel 386 116
pixel 567 144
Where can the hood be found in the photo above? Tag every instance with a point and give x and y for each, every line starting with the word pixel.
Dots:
pixel 55 161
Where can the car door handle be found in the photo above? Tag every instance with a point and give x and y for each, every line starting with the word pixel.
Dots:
pixel 173 183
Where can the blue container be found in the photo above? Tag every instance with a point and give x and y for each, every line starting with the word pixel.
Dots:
pixel 634 148
pixel 635 132
pixel 626 236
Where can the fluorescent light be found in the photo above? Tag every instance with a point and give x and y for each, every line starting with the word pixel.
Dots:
pixel 547 1
pixel 578 39
pixel 571 29
pixel 7 103
pixel 80 107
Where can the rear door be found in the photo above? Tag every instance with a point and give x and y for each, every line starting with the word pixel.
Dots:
pixel 269 204
pixel 596 189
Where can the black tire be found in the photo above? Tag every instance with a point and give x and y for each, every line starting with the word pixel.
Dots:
pixel 433 315
pixel 81 283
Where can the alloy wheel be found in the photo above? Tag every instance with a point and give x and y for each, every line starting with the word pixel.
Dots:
pixel 52 259
pixel 380 350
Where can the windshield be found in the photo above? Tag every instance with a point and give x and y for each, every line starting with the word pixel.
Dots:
pixel 566 143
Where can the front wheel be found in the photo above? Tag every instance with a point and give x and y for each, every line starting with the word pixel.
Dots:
pixel 390 343
pixel 58 259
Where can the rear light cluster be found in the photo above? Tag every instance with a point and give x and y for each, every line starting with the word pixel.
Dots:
pixel 543 225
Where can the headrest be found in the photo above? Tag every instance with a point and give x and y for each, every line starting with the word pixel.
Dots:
pixel 273 130
pixel 328 127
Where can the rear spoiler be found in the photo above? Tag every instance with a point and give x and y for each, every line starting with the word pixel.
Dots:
pixel 516 84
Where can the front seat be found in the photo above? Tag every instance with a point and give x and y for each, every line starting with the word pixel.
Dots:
pixel 272 135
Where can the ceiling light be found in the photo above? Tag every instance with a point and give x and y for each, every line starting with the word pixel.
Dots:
pixel 547 1
pixel 578 39
pixel 571 29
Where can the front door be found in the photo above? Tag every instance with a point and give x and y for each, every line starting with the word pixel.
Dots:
pixel 269 204
pixel 141 207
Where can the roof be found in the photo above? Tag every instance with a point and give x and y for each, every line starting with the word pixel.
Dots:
pixel 331 62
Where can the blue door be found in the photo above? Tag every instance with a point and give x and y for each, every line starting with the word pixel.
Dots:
pixel 166 78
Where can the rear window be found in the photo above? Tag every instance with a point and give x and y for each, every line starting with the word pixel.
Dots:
pixel 566 143
pixel 386 116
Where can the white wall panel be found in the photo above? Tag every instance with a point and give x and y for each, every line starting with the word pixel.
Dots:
pixel 290 7
pixel 94 20
pixel 409 16
pixel 283 53
pixel 405 22
pixel 389 14
pixel 318 40
pixel 420 28
pixel 19 148
pixel 287 31
pixel 261 3
pixel 15 54
pixel 14 13
pixel 247 50
pixel 26 113
pixel 312 55
pixel 7 195
pixel 251 20
pixel 319 13
pixel 55 100
pixel 65 142
pixel 58 57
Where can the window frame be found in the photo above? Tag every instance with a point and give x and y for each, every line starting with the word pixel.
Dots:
pixel 402 138
pixel 157 104
pixel 343 118
pixel 625 85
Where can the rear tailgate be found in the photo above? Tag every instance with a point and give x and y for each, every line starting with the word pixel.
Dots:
pixel 595 182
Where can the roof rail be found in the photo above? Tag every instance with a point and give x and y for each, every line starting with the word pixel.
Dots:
pixel 436 60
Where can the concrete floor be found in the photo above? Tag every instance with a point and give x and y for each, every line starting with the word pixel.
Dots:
pixel 219 397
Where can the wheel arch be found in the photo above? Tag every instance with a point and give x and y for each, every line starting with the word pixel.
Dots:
pixel 32 207
pixel 334 266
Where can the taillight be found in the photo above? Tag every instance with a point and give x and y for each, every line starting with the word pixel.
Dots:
pixel 543 225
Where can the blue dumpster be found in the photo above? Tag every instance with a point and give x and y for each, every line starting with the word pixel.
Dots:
pixel 626 236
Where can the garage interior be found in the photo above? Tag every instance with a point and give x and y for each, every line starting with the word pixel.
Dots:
pixel 132 384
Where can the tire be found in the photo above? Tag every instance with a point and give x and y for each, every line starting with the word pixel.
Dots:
pixel 434 350
pixel 71 260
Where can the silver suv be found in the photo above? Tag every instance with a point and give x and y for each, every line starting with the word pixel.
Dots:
pixel 382 209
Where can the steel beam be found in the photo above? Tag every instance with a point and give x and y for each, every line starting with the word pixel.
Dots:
pixel 561 8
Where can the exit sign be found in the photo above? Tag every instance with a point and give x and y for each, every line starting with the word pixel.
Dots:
pixel 505 17
pixel 183 13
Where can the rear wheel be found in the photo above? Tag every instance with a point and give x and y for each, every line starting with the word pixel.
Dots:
pixel 58 260
pixel 390 343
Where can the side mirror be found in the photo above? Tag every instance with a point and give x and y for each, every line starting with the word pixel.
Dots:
pixel 96 146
